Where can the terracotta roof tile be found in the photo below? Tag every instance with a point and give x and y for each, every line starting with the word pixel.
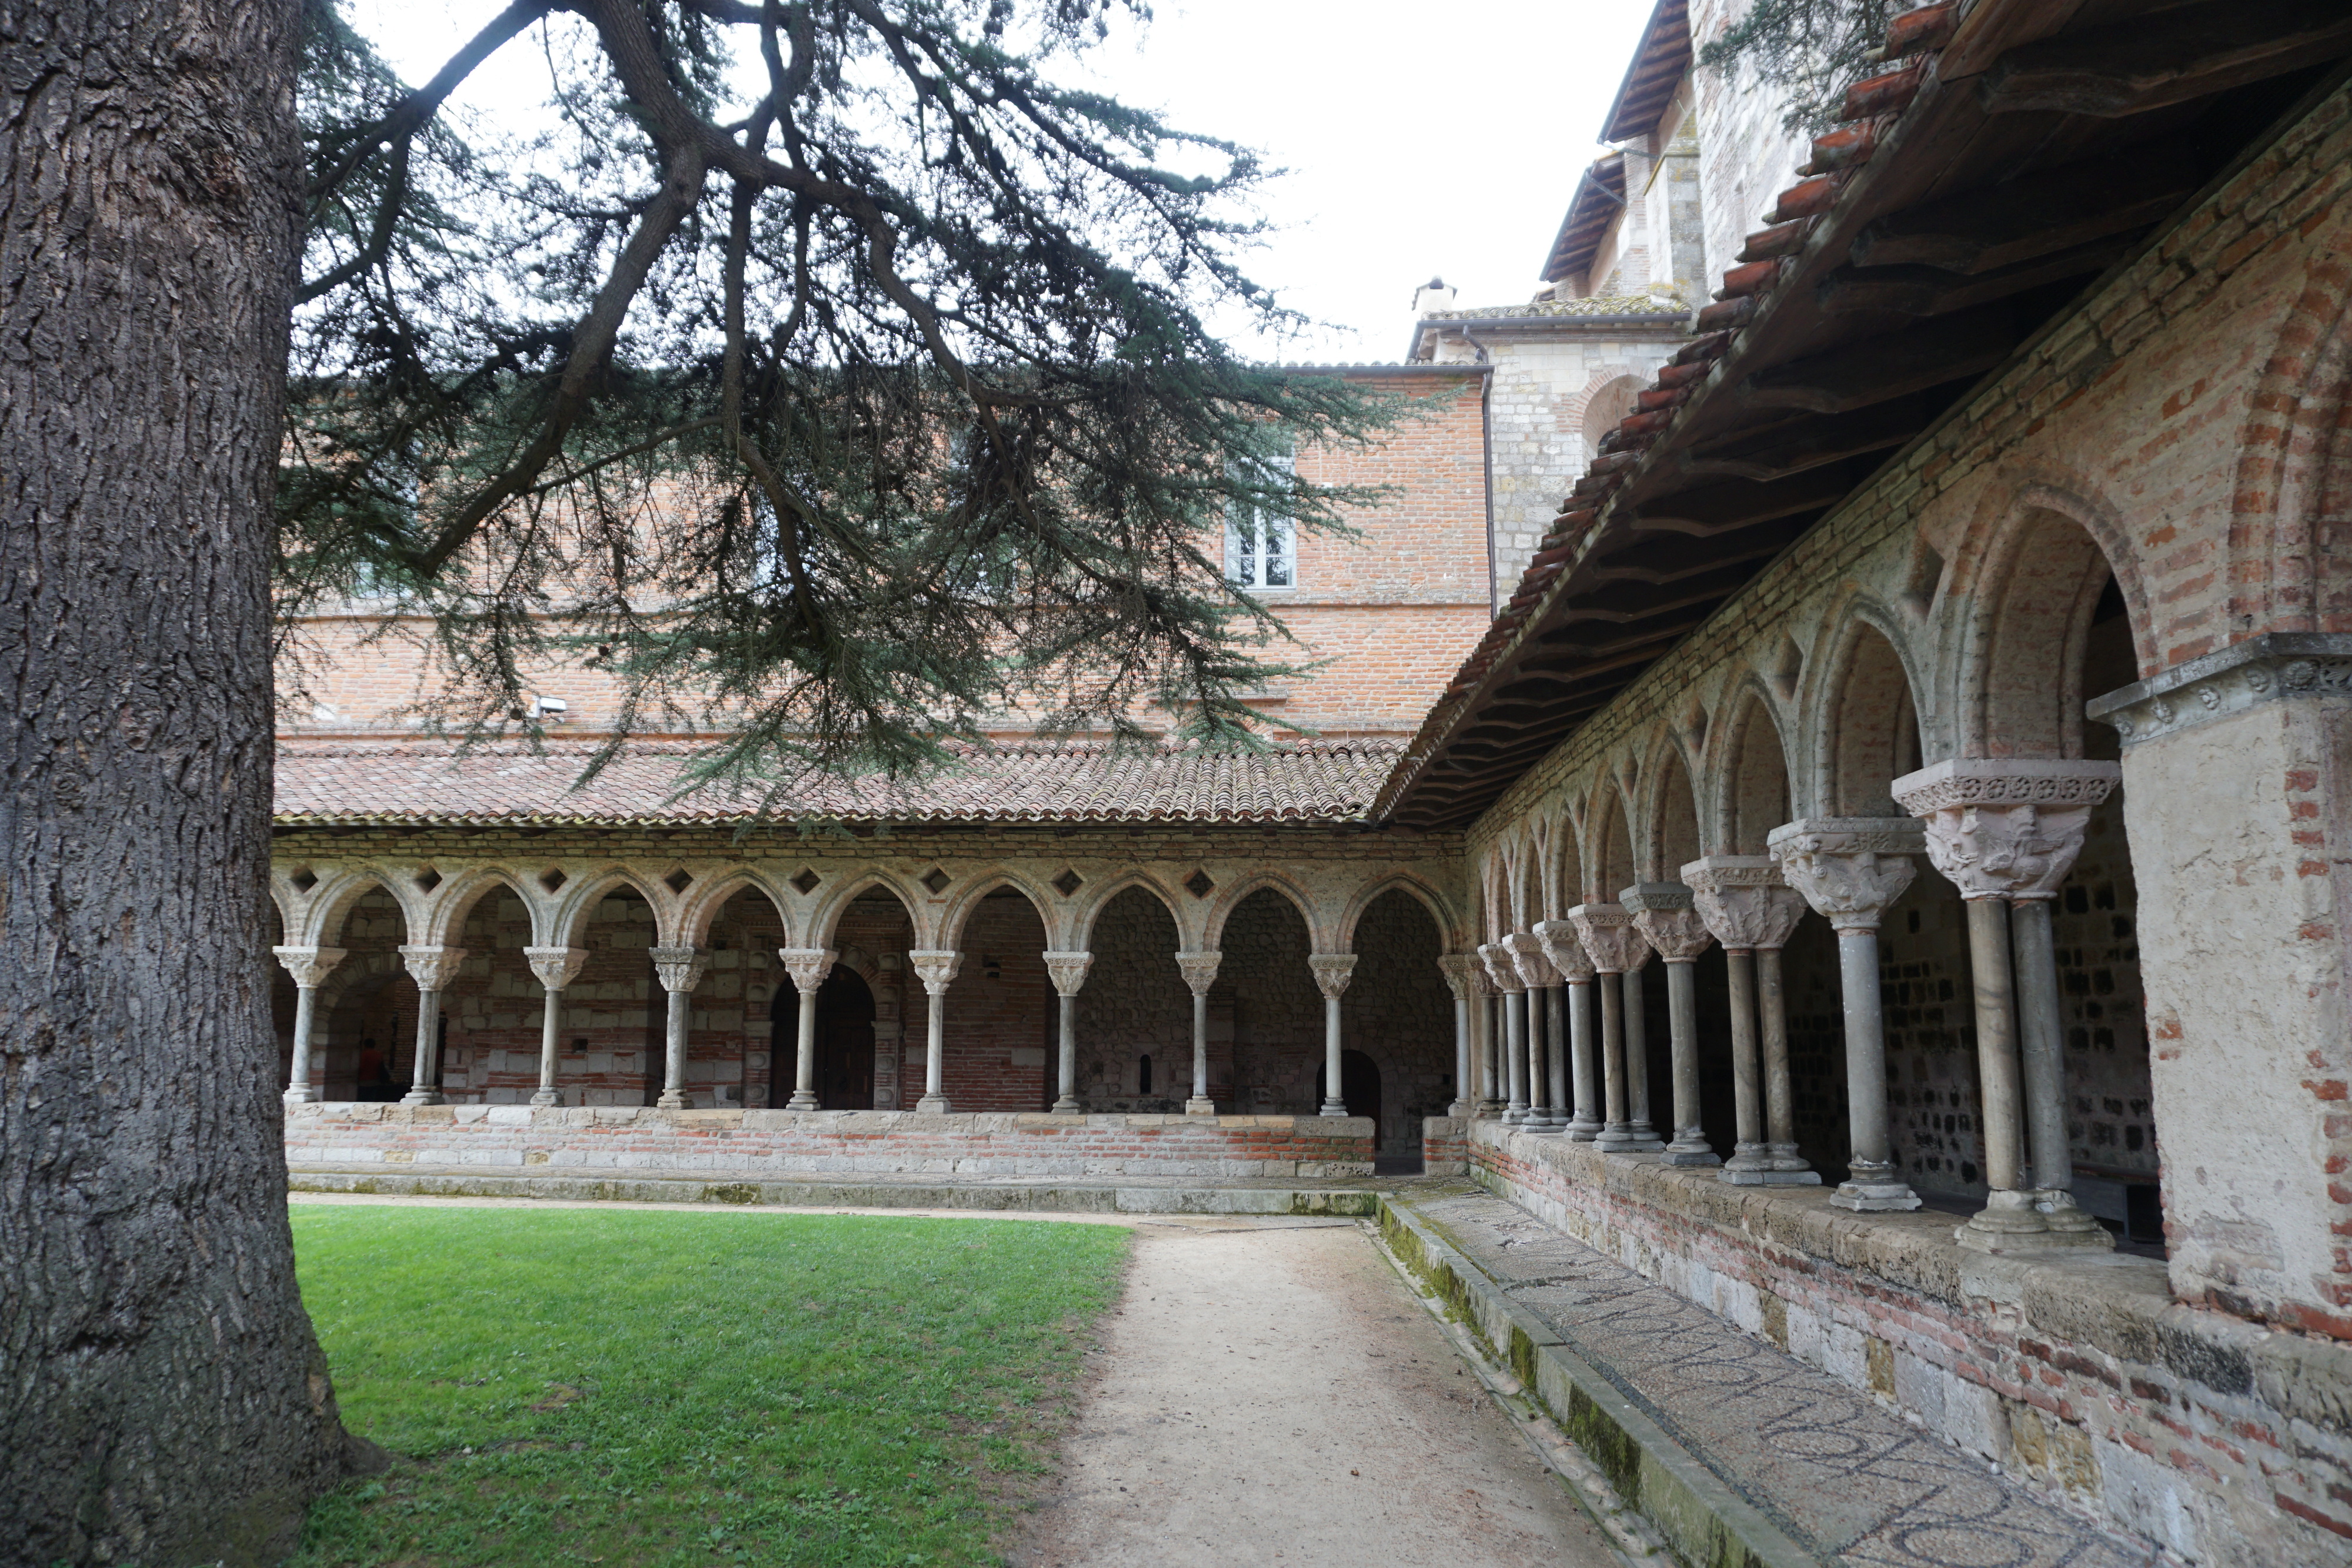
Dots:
pixel 420 784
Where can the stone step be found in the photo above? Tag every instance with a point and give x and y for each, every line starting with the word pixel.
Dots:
pixel 1123 1196
pixel 1738 1453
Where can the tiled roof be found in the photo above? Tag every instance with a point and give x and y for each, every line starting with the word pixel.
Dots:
pixel 1667 310
pixel 419 784
pixel 1599 197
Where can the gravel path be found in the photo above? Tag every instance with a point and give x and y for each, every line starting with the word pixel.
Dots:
pixel 1270 1392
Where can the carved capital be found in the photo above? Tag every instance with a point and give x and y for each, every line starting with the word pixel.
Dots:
pixel 1068 970
pixel 1332 972
pixel 1744 899
pixel 1200 969
pixel 1566 951
pixel 936 968
pixel 2006 827
pixel 555 967
pixel 1608 937
pixel 1528 957
pixel 808 966
pixel 1663 914
pixel 309 966
pixel 2283 666
pixel 1851 870
pixel 680 968
pixel 1501 973
pixel 433 968
pixel 1462 972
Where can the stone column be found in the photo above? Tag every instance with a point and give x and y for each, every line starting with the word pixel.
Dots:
pixel 1484 1038
pixel 432 969
pixel 937 967
pixel 1509 988
pixel 1457 968
pixel 555 969
pixel 1606 933
pixel 1748 909
pixel 1544 1112
pixel 1069 971
pixel 808 968
pixel 681 970
pixel 1850 870
pixel 309 966
pixel 1199 971
pixel 1575 966
pixel 1332 973
pixel 2006 830
pixel 1663 913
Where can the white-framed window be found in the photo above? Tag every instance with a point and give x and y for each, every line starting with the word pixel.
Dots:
pixel 1261 544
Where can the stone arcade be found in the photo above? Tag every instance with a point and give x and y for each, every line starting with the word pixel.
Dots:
pixel 1879 876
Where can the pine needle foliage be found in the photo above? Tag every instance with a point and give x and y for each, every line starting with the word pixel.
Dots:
pixel 823 371
pixel 1807 51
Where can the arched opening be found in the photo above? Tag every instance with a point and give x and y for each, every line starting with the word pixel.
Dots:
pixel 1605 409
pixel 363 1037
pixel 2035 634
pixel 1757 780
pixel 614 1031
pixel 844 1041
pixel 1874 729
pixel 1134 1013
pixel 1266 987
pixel 1568 862
pixel 729 1061
pixel 1359 1089
pixel 1612 847
pixel 1677 843
pixel 876 922
pixel 1398 1017
pixel 1001 1020
pixel 489 1049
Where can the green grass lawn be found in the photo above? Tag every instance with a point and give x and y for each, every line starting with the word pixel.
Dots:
pixel 633 1386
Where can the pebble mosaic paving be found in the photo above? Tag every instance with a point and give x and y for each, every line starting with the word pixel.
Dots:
pixel 1838 1472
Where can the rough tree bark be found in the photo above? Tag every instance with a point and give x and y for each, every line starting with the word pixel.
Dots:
pixel 162 1398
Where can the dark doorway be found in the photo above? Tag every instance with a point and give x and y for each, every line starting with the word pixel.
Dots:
pixel 1360 1088
pixel 844 1041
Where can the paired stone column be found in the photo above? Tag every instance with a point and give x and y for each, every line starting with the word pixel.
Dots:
pixel 937 967
pixel 1511 1037
pixel 1069 972
pixel 432 969
pixel 1575 966
pixel 681 970
pixel 2006 830
pixel 808 968
pixel 1663 914
pixel 555 969
pixel 310 968
pixel 1851 870
pixel 1545 1114
pixel 1752 912
pixel 1332 973
pixel 1485 1038
pixel 1458 969
pixel 1606 934
pixel 1199 971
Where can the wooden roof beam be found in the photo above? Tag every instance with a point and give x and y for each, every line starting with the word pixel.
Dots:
pixel 2019 220
pixel 1796 445
pixel 1857 375
pixel 1932 291
pixel 2168 57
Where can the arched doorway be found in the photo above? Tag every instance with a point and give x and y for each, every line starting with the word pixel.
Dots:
pixel 844 1042
pixel 1360 1088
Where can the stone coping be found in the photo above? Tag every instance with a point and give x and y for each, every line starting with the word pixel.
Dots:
pixel 2118 1305
pixel 755 1121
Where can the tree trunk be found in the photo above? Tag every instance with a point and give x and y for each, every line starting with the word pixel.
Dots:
pixel 162 1398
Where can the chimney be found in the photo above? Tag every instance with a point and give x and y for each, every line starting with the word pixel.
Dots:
pixel 1432 299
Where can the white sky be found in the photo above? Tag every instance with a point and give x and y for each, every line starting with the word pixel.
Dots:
pixel 1436 138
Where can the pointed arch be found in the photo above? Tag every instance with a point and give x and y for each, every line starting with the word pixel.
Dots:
pixel 2293 482
pixel 706 896
pixel 1671 835
pixel 450 904
pixel 567 925
pixel 1751 792
pixel 1564 877
pixel 1611 867
pixel 1318 930
pixel 826 917
pixel 1865 730
pixel 338 890
pixel 967 899
pixel 1440 912
pixel 1098 899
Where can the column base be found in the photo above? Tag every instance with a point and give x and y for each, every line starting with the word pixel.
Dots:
pixel 1680 1153
pixel 1750 1175
pixel 546 1099
pixel 1786 1160
pixel 1875 1196
pixel 1200 1107
pixel 1628 1142
pixel 1583 1129
pixel 2058 1210
pixel 802 1100
pixel 1490 1109
pixel 1514 1114
pixel 933 1105
pixel 1332 1108
pixel 1067 1105
pixel 671 1100
pixel 2011 1222
pixel 1461 1108
pixel 424 1097
pixel 306 1095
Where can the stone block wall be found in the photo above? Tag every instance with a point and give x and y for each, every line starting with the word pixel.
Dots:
pixel 757 1144
pixel 1445 1145
pixel 2214 1440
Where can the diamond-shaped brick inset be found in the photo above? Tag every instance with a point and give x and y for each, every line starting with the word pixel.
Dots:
pixel 806 883
pixel 1068 883
pixel 936 881
pixel 1198 886
pixel 428 880
pixel 553 879
pixel 304 880
pixel 678 881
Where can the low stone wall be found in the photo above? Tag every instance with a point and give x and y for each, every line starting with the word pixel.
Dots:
pixel 750 1144
pixel 1445 1145
pixel 2221 1440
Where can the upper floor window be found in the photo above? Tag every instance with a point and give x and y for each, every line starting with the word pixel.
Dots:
pixel 1261 544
